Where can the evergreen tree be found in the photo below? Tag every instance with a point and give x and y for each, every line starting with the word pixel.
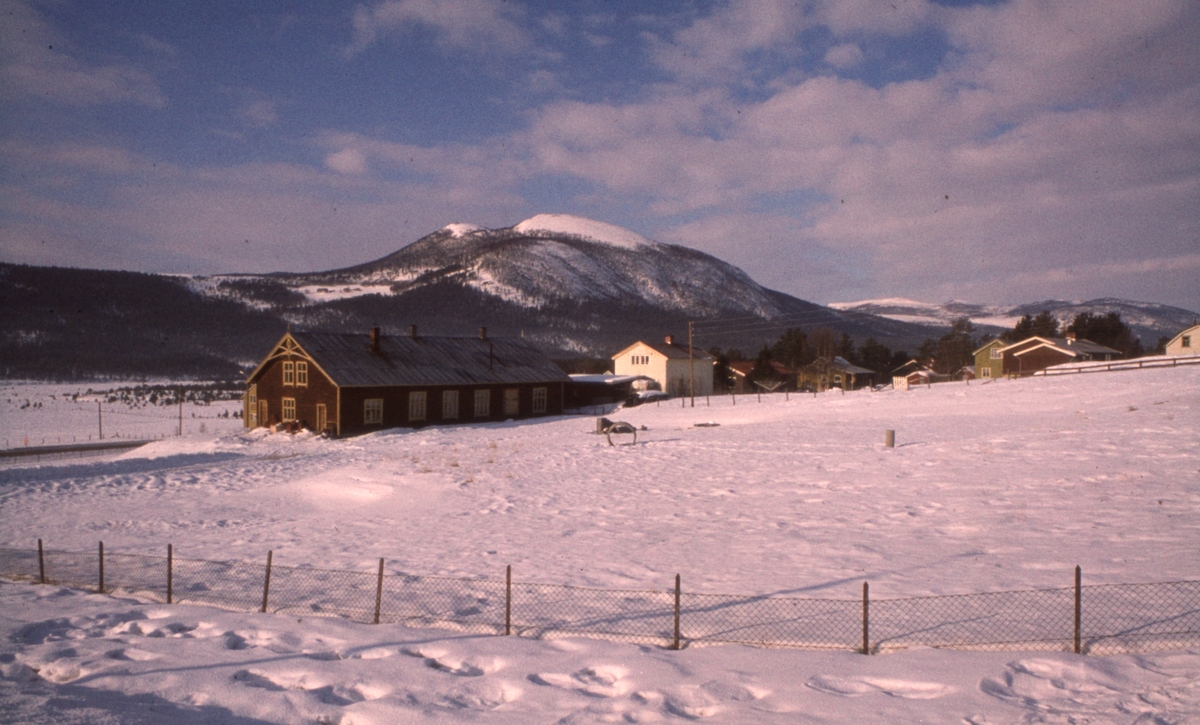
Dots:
pixel 1044 325
pixel 722 375
pixel 1107 330
pixel 1023 330
pixel 955 347
pixel 763 370
pixel 791 349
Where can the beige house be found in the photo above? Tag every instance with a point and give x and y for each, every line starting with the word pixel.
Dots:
pixel 667 363
pixel 1186 342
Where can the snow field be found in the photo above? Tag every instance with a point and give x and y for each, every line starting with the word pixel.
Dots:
pixel 991 487
pixel 71 657
pixel 37 414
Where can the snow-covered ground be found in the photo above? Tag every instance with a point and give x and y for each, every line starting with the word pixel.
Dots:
pixel 997 486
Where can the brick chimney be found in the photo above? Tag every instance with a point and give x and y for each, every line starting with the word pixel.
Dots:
pixel 1070 336
pixel 374 339
pixel 670 339
pixel 412 331
pixel 483 333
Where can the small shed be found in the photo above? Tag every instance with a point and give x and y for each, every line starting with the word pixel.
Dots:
pixel 836 372
pixel 586 390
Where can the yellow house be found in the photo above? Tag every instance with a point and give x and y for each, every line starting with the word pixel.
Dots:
pixel 667 363
pixel 1186 342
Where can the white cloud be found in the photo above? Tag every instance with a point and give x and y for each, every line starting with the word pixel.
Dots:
pixel 30 65
pixel 846 55
pixel 347 161
pixel 490 25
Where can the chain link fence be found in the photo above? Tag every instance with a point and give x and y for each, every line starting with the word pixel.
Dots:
pixel 1094 619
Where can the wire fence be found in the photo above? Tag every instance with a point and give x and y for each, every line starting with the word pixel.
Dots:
pixel 1094 619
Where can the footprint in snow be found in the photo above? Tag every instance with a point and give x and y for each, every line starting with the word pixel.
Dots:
pixel 130 653
pixel 858 686
pixel 599 681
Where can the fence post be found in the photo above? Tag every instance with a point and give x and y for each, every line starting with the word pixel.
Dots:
pixel 267 581
pixel 170 573
pixel 41 564
pixel 866 645
pixel 379 591
pixel 508 600
pixel 676 644
pixel 1079 601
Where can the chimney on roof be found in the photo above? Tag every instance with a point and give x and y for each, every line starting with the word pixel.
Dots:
pixel 412 331
pixel 483 333
pixel 1070 336
pixel 374 339
pixel 670 339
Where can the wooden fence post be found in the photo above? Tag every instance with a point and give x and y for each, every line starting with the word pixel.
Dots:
pixel 170 573
pixel 101 587
pixel 379 591
pixel 41 564
pixel 676 644
pixel 866 643
pixel 267 581
pixel 508 600
pixel 1079 601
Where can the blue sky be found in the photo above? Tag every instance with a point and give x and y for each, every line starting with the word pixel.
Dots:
pixel 993 152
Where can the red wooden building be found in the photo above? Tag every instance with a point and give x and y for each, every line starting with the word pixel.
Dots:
pixel 348 384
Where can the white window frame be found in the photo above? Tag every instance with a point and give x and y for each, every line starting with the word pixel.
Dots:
pixel 449 405
pixel 996 354
pixel 373 411
pixel 1185 341
pixel 301 374
pixel 417 401
pixel 289 372
pixel 289 410
pixel 483 403
pixel 985 371
pixel 539 401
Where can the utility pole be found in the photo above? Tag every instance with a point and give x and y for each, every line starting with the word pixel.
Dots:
pixel 100 419
pixel 180 395
pixel 691 367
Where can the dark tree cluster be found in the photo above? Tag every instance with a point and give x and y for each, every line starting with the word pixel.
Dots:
pixel 1108 330
pixel 796 348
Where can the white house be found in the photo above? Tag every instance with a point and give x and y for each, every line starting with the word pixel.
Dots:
pixel 1186 342
pixel 667 363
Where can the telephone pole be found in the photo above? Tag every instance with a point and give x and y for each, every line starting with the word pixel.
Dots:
pixel 691 367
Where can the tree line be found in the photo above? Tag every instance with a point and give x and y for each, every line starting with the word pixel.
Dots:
pixel 946 355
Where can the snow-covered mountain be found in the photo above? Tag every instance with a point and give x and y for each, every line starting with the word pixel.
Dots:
pixel 1148 320
pixel 540 262
pixel 574 284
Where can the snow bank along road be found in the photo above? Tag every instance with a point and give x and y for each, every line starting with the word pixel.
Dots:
pixel 991 487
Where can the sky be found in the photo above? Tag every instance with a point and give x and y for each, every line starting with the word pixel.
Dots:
pixel 837 150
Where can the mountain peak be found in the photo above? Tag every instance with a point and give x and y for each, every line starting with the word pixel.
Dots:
pixel 460 230
pixel 586 229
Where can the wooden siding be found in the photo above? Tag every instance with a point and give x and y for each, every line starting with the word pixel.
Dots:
pixel 320 390
pixel 395 405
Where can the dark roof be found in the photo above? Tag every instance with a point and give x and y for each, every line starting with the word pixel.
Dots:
pixel 745 367
pixel 677 351
pixel 404 360
pixel 823 364
pixel 1077 346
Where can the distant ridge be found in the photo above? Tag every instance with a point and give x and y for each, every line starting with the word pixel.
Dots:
pixel 575 287
pixel 1148 320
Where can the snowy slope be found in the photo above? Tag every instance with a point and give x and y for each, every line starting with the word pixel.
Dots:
pixel 998 486
pixel 1149 320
